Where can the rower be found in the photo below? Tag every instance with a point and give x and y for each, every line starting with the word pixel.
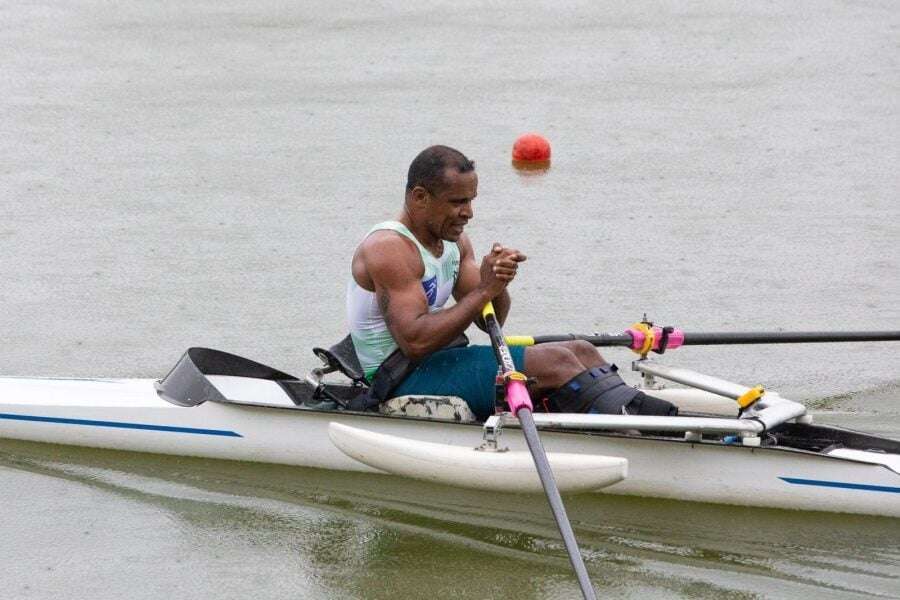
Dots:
pixel 410 342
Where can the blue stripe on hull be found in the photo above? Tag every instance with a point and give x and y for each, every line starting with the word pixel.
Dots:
pixel 840 484
pixel 120 425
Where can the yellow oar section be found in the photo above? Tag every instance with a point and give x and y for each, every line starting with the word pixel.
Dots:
pixel 519 340
pixel 488 310
pixel 511 340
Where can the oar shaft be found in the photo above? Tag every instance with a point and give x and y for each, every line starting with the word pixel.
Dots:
pixel 520 403
pixel 529 430
pixel 788 337
pixel 607 339
pixel 498 343
pixel 724 338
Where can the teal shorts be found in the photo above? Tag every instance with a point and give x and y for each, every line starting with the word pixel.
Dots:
pixel 469 372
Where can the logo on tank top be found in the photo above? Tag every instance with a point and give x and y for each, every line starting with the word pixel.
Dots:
pixel 431 289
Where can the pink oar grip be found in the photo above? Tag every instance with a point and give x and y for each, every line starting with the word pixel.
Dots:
pixel 676 338
pixel 637 338
pixel 517 396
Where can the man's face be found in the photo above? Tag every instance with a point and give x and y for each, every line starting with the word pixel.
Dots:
pixel 450 205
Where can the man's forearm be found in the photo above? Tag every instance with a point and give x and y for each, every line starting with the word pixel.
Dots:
pixel 501 306
pixel 432 331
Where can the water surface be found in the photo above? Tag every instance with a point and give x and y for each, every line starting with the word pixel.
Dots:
pixel 174 175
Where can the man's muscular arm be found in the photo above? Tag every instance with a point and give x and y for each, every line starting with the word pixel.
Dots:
pixel 393 266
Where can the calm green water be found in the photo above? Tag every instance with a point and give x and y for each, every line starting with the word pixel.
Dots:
pixel 174 175
pixel 86 523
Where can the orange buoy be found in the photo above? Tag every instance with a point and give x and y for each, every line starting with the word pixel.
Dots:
pixel 531 149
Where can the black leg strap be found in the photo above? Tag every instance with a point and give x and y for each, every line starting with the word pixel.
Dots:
pixel 598 387
pixel 601 390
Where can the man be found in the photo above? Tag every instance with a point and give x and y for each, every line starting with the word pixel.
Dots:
pixel 404 272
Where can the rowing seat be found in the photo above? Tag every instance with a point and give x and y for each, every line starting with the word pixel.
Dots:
pixel 342 357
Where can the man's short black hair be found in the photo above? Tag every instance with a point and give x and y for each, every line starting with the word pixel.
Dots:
pixel 427 169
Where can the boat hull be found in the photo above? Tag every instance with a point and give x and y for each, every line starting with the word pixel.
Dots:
pixel 129 415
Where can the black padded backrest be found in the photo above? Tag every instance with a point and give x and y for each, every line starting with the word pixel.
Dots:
pixel 342 357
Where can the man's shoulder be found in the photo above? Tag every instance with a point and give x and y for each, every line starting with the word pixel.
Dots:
pixel 387 240
pixel 389 250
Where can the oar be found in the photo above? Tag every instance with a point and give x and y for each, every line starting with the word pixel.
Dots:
pixel 520 404
pixel 635 338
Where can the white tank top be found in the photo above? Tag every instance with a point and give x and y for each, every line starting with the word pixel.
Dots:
pixel 371 338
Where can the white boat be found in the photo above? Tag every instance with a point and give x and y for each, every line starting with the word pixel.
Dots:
pixel 218 405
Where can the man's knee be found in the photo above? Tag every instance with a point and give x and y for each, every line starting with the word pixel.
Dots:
pixel 549 355
pixel 551 364
pixel 586 352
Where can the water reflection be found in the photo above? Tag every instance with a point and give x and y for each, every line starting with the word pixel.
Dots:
pixel 366 536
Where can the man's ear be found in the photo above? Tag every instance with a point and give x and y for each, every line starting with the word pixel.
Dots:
pixel 419 196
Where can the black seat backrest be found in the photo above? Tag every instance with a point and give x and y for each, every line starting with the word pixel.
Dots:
pixel 342 357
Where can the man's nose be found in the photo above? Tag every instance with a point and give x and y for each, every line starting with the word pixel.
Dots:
pixel 467 211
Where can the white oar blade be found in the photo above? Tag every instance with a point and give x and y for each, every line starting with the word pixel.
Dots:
pixel 466 467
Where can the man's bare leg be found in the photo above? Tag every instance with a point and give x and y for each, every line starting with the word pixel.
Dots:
pixel 553 365
pixel 586 353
